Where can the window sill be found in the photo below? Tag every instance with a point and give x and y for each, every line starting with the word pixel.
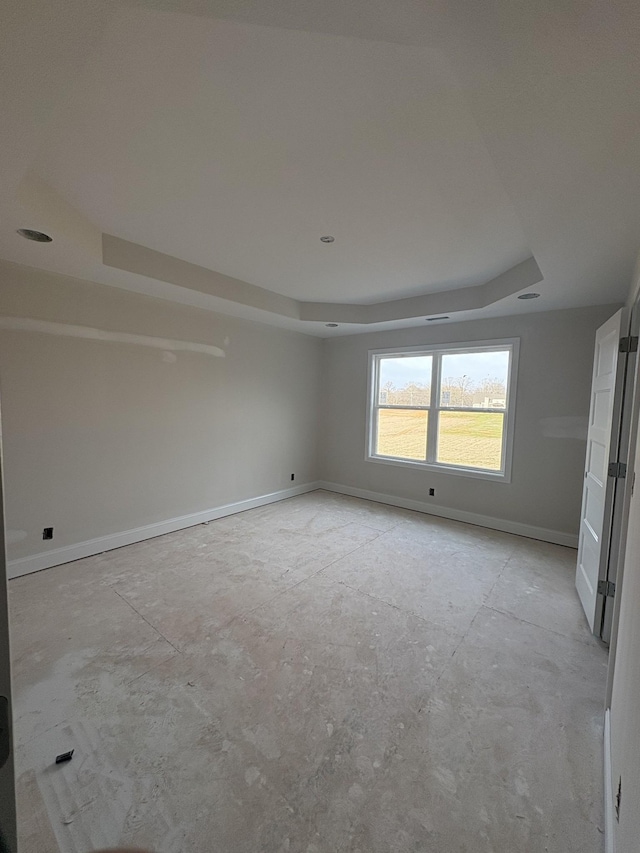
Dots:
pixel 474 473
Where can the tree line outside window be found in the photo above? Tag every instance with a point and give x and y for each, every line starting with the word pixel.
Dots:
pixel 458 391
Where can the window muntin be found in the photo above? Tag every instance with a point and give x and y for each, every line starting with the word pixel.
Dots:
pixel 446 407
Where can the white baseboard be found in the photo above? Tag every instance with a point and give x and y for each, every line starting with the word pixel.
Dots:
pixel 609 837
pixel 520 529
pixel 57 556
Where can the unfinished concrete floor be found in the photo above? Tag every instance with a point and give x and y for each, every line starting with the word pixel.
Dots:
pixel 322 674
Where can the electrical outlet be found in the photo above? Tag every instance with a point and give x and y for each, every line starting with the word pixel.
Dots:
pixel 293 476
pixel 432 493
pixel 47 533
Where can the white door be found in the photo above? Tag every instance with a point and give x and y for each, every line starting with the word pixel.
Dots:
pixel 597 495
pixel 8 841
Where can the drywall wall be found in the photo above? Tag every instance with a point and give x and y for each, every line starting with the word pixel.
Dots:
pixel 8 839
pixel 625 701
pixel 552 406
pixel 120 411
pixel 623 662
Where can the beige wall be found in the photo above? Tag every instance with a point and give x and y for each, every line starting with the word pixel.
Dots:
pixel 104 436
pixel 552 405
pixel 101 437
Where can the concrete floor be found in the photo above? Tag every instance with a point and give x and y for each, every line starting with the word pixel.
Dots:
pixel 322 674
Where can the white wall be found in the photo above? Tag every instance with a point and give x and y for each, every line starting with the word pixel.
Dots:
pixel 625 698
pixel 101 437
pixel 552 405
pixel 625 702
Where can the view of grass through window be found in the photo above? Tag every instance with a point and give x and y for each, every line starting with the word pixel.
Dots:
pixel 470 439
pixel 402 433
pixel 469 425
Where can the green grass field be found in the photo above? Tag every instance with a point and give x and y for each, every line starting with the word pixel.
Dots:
pixel 464 438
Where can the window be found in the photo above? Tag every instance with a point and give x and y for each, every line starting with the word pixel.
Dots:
pixel 447 408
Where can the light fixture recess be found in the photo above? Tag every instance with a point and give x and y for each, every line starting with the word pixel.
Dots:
pixel 528 296
pixel 36 236
pixel 327 239
pixel 431 319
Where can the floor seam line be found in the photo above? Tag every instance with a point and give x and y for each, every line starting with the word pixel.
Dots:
pixel 144 619
pixel 289 588
pixel 386 603
pixel 349 553
pixel 539 627
pixel 475 616
pixel 448 662
pixel 500 574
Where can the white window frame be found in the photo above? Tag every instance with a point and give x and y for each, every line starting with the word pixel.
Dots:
pixel 437 351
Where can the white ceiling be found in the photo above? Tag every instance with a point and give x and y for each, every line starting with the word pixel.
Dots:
pixel 441 143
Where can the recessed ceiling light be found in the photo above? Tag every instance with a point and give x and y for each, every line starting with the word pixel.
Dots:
pixel 36 236
pixel 431 319
pixel 331 325
pixel 327 239
pixel 528 296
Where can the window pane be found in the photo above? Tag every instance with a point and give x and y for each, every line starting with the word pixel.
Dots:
pixel 475 379
pixel 405 381
pixel 470 439
pixel 402 433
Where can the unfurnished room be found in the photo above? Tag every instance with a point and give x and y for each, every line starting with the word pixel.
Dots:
pixel 319 388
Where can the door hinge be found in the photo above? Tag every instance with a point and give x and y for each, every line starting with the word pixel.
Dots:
pixel 629 344
pixel 606 588
pixel 617 469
